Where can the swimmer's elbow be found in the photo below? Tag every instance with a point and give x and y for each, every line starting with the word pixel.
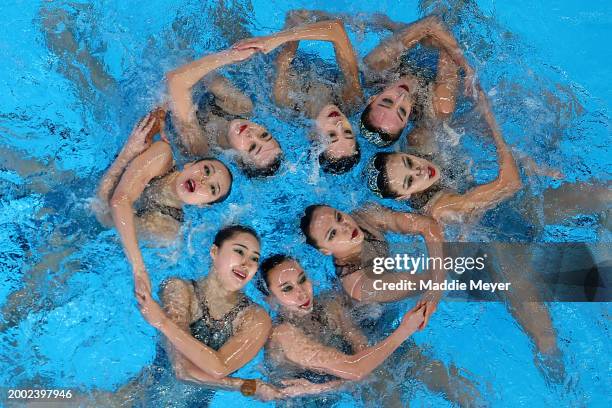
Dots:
pixel 118 200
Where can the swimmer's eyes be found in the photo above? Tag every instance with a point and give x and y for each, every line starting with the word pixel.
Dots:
pixel 302 279
pixel 408 182
pixel 407 162
pixel 287 288
pixel 402 113
pixel 252 147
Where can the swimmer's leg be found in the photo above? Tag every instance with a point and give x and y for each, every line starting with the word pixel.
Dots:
pixel 514 266
pixel 575 198
pixel 442 379
pixel 59 30
pixel 445 87
pixel 33 296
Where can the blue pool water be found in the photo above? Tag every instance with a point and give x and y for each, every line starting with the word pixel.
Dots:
pixel 67 312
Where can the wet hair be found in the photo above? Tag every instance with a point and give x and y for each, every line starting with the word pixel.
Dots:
pixel 263 283
pixel 223 197
pixel 307 220
pixel 230 231
pixel 339 165
pixel 382 185
pixel 252 171
pixel 373 134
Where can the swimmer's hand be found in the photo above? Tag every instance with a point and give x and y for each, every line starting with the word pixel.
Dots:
pixel 237 55
pixel 429 301
pixel 150 310
pixel 263 44
pixel 267 392
pixel 142 283
pixel 141 137
pixel 413 319
pixel 470 84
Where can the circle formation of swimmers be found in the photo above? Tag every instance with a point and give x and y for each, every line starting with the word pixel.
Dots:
pixel 314 345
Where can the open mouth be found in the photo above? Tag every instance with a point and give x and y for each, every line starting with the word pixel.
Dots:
pixel 405 88
pixel 355 233
pixel 306 305
pixel 190 185
pixel 240 274
pixel 431 171
pixel 333 114
pixel 242 128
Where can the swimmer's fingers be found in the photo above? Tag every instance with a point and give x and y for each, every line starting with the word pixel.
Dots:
pixel 257 44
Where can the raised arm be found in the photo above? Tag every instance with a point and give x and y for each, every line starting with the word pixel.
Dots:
pixel 433 234
pixel 302 350
pixel 507 183
pixel 153 162
pixel 180 86
pixel 390 50
pixel 139 140
pixel 332 31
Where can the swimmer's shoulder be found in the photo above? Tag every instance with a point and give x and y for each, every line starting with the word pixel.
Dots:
pixel 253 315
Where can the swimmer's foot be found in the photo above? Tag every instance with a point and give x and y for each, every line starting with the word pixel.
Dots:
pixel 551 366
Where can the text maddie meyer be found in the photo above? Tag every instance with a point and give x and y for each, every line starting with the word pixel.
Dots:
pixel 405 262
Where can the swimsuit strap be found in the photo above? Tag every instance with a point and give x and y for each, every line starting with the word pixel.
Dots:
pixel 242 304
pixel 173 212
pixel 151 205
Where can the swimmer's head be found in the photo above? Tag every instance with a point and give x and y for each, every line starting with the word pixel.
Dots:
pixel 330 231
pixel 342 151
pixel 260 154
pixel 207 181
pixel 401 175
pixel 284 282
pixel 388 112
pixel 235 256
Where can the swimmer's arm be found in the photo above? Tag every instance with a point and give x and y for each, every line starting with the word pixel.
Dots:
pixel 231 98
pixel 235 353
pixel 137 142
pixel 332 31
pixel 302 350
pixel 177 300
pixel 180 83
pixel 508 181
pixel 350 331
pixel 153 162
pixel 390 50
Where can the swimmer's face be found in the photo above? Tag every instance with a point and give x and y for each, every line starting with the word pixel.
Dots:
pixel 253 141
pixel 235 261
pixel 334 127
pixel 390 109
pixel 290 286
pixel 203 182
pixel 409 174
pixel 334 232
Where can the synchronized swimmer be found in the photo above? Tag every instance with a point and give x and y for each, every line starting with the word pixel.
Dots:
pixel 211 328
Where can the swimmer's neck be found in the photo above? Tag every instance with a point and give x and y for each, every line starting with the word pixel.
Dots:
pixel 169 194
pixel 350 255
pixel 214 292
